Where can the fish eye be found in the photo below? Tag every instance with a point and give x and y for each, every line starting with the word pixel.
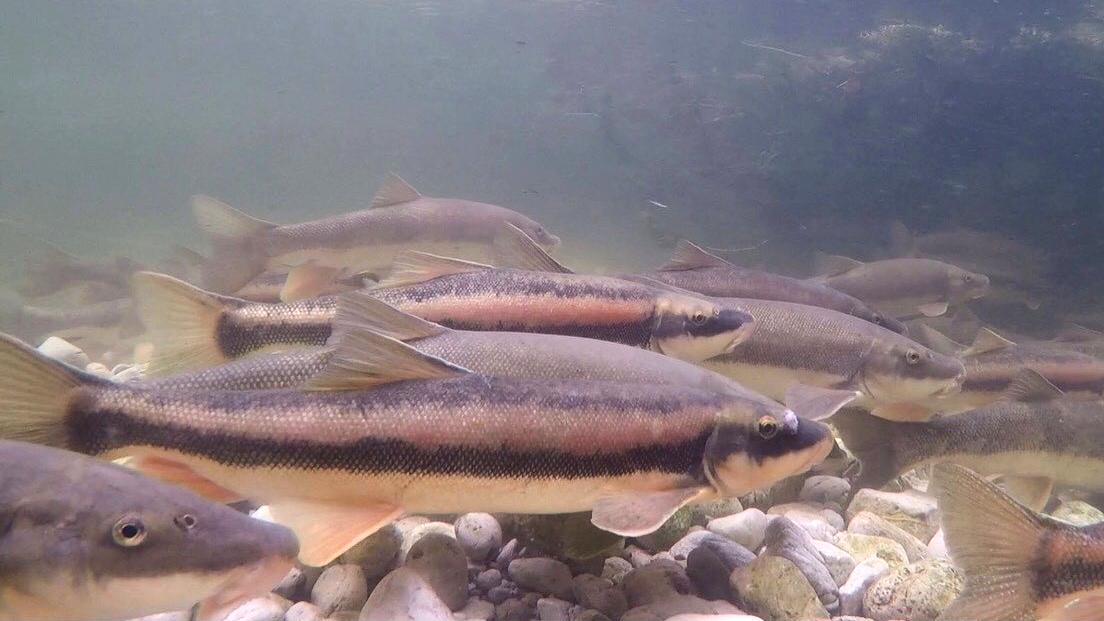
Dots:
pixel 967 278
pixel 187 521
pixel 912 356
pixel 698 318
pixel 129 532
pixel 767 427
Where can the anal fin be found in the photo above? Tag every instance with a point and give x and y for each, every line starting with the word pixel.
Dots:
pixel 1033 492
pixel 326 530
pixel 306 281
pixel 633 514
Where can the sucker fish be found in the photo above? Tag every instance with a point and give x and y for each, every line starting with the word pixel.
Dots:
pixel 364 241
pixel 86 540
pixel 694 269
pixel 1019 565
pixel 420 436
pixel 903 287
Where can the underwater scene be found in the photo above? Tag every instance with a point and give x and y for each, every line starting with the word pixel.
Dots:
pixel 555 310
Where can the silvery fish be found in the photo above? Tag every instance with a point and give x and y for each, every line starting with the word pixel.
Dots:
pixel 399 219
pixel 81 539
pixel 420 435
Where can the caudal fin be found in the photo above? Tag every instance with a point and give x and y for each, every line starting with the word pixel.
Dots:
pixel 34 393
pixel 992 538
pixel 237 244
pixel 181 321
pixel 869 439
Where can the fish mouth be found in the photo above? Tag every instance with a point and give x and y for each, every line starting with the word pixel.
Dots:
pixel 241 585
pixel 742 334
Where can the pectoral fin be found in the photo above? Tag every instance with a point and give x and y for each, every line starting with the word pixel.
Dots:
pixel 933 309
pixel 307 281
pixel 814 403
pixel 327 530
pixel 181 474
pixel 903 412
pixel 632 514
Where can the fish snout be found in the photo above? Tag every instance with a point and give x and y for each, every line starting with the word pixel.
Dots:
pixel 741 324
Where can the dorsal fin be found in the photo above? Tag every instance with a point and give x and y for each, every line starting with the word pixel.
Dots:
pixel 514 248
pixel 1077 333
pixel 395 191
pixel 937 341
pixel 364 359
pixel 1029 386
pixel 986 341
pixel 901 241
pixel 413 266
pixel 834 264
pixel 358 311
pixel 690 256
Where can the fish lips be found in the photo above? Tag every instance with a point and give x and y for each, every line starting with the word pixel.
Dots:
pixel 242 585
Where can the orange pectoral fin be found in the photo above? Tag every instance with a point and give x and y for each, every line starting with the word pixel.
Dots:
pixel 180 474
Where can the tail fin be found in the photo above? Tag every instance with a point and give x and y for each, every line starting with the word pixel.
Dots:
pixel 993 539
pixel 868 438
pixel 237 252
pixel 34 393
pixel 181 322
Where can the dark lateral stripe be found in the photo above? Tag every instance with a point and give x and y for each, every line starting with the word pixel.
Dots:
pixel 637 334
pixel 238 337
pixel 507 282
pixel 97 432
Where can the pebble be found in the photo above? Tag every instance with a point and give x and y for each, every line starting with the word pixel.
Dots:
pixel 479 534
pixel 666 535
pixel 637 557
pixel 918 592
pixel 614 569
pixel 441 562
pixel 488 579
pixel 180 615
pixel 852 592
pixel 655 582
pixel 514 610
pixel 98 369
pixel 813 510
pixel 591 615
pixel 702 513
pixel 61 349
pixel 722 617
pixel 294 585
pixel 681 549
pixel 831 491
pixel 376 553
pixel 1078 512
pixel 303 611
pixel 508 553
pixel 711 563
pixel 542 575
pixel 862 547
pixel 787 540
pixel 839 563
pixel 915 512
pixel 553 609
pixel 775 587
pixel 257 609
pixel 506 590
pixel 867 523
pixel 402 595
pixel 124 373
pixel 599 594
pixel 475 610
pixel 339 588
pixel 411 536
pixel 677 605
pixel 745 528
pixel 937 547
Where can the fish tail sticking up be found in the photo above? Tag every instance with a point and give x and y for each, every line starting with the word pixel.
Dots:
pixel 869 439
pixel 993 539
pixel 181 321
pixel 237 244
pixel 35 391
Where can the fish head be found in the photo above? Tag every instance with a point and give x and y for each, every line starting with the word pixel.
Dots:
pixel 169 549
pixel 534 230
pixel 904 371
pixel 966 285
pixel 694 329
pixel 744 454
pixel 887 322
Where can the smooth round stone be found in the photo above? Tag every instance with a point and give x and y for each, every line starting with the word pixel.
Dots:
pixel 293 586
pixel 862 547
pixel 677 605
pixel 615 568
pixel 97 369
pixel 937 547
pixel 854 589
pixel 829 490
pixel 918 592
pixel 915 512
pixel 683 546
pixel 376 553
pixel 303 611
pixel 553 609
pixel 787 540
pixel 441 562
pixel 508 553
pixel 867 523
pixel 655 582
pixel 1078 513
pixel 61 349
pixel 476 610
pixel 479 534
pixel 775 586
pixel 403 595
pixel 745 528
pixel 258 609
pixel 542 575
pixel 600 594
pixel 412 536
pixel 591 615
pixel 124 373
pixel 839 563
pixel 488 579
pixel 340 588
pixel 514 610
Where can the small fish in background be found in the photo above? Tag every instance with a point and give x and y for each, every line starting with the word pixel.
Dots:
pixel 360 242
pixel 420 435
pixel 1019 565
pixel 694 269
pixel 53 270
pixel 268 287
pixel 1035 436
pixel 87 540
pixel 960 324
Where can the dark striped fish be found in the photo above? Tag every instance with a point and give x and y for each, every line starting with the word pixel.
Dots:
pixel 694 269
pixel 86 540
pixel 422 436
pixel 400 219
pixel 192 328
pixel 1020 565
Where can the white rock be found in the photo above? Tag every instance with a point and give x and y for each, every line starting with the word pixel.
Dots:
pixel 340 588
pixel 839 563
pixel 124 373
pixel 1078 513
pixel 479 534
pixel 826 489
pixel 303 611
pixel 441 562
pixel 257 609
pixel 862 547
pixel 919 592
pixel 745 528
pixel 411 536
pixel 721 617
pixel 915 512
pixel 852 591
pixel 776 587
pixel 476 610
pixel 553 609
pixel 97 369
pixel 867 523
pixel 61 349
pixel 402 595
pixel 683 546
pixel 937 547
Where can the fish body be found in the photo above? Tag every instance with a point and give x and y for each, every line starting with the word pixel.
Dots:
pixel 904 287
pixel 56 269
pixel 798 344
pixel 1019 565
pixel 422 436
pixel 694 269
pixel 366 241
pixel 88 540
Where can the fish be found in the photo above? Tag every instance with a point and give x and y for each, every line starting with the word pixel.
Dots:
pixel 694 269
pixel 36 322
pixel 54 269
pixel 1019 565
pixel 420 435
pixel 267 287
pixel 192 329
pixel 978 251
pixel 93 541
pixel 364 241
pixel 1035 433
pixel 903 287
pixel 993 363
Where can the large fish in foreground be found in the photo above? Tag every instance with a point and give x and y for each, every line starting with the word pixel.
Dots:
pixel 85 540
pixel 420 435
pixel 364 241
pixel 1020 565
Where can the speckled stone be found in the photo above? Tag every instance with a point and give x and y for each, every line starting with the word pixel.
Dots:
pixel 915 512
pixel 542 575
pixel 774 586
pixel 1078 512
pixel 918 592
pixel 867 523
pixel 862 547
